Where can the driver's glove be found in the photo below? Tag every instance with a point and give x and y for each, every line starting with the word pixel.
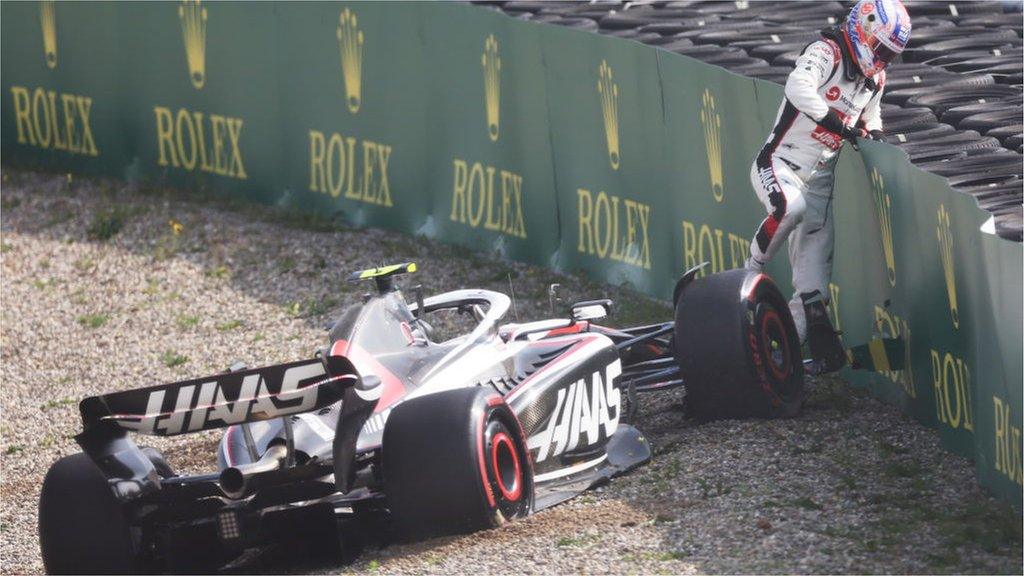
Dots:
pixel 833 123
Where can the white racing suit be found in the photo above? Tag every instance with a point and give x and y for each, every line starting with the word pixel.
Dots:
pixel 793 174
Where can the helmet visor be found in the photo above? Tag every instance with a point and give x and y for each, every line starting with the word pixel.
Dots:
pixel 884 54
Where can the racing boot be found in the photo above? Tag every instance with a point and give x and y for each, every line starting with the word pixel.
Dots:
pixel 826 347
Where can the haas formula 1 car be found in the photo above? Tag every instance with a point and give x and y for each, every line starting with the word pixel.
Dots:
pixel 425 436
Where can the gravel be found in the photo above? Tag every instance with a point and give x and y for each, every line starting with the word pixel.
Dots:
pixel 108 286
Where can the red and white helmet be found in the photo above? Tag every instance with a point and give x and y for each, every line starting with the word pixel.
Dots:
pixel 877 31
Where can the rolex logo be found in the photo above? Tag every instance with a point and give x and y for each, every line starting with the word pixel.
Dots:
pixel 609 92
pixel 48 19
pixel 883 205
pixel 492 85
pixel 712 123
pixel 350 42
pixel 945 238
pixel 193 32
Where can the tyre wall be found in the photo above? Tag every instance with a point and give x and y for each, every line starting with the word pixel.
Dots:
pixel 538 143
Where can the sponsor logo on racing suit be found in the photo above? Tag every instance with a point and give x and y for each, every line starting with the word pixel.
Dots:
pixel 767 176
pixel 830 139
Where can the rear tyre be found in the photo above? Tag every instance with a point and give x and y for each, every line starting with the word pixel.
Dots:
pixel 83 529
pixel 738 348
pixel 455 462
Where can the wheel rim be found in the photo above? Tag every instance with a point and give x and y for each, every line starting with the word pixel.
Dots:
pixel 780 355
pixel 774 345
pixel 506 468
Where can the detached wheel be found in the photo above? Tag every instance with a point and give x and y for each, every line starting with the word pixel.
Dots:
pixel 455 462
pixel 737 348
pixel 82 527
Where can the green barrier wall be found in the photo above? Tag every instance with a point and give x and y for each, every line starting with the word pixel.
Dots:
pixel 540 143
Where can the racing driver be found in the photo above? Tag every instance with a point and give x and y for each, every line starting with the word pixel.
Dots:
pixel 833 94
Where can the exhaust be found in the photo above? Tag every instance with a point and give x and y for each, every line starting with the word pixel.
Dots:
pixel 236 481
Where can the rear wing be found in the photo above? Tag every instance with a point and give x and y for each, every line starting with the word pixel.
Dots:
pixel 219 401
pixel 201 404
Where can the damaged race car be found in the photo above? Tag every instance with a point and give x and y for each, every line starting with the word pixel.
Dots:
pixel 391 426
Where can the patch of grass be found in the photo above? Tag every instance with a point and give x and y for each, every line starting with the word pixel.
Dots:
pixel 373 565
pixel 14 449
pixel 673 467
pixel 58 213
pixel 311 307
pixel 814 448
pixel 806 503
pixel 311 222
pixel 93 320
pixel 47 441
pixel 107 223
pixel 708 490
pixel 988 525
pixel 944 559
pixel 890 449
pixel 170 358
pixel 848 482
pixel 229 325
pixel 5 247
pixel 580 541
pixel 219 272
pixel 84 264
pixel 833 532
pixel 10 203
pixel 59 403
pixel 634 309
pixel 657 556
pixel 501 274
pixel 830 394
pixel 186 321
pixel 259 336
pixel 286 264
pixel 895 526
pixel 898 469
pixel 43 284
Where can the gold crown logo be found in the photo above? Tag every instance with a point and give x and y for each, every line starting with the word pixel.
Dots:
pixel 193 32
pixel 945 238
pixel 712 123
pixel 883 205
pixel 48 19
pixel 609 92
pixel 492 85
pixel 350 42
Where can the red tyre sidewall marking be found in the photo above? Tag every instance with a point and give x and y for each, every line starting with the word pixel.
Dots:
pixel 499 440
pixel 481 460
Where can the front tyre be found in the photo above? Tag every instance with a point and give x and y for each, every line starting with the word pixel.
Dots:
pixel 737 348
pixel 455 462
pixel 83 529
